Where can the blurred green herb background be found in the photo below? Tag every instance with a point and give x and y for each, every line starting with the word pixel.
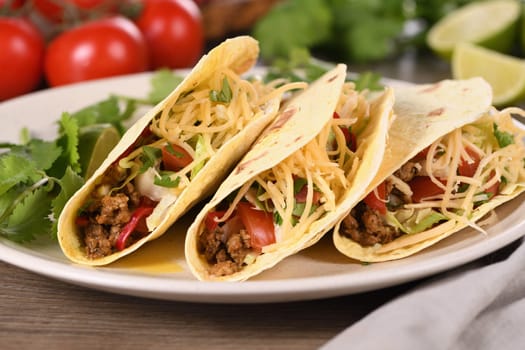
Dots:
pixel 349 30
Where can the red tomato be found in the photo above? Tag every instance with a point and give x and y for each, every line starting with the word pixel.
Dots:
pixel 494 189
pixel 175 157
pixel 423 187
pixel 101 48
pixel 56 11
pixel 258 223
pixel 211 217
pixel 468 169
pixel 11 4
pixel 174 32
pixel 21 56
pixel 422 154
pixel 300 196
pixel 350 138
pixel 377 202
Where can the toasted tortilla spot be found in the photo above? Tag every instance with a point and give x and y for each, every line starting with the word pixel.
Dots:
pixel 431 88
pixel 332 78
pixel 283 118
pixel 242 166
pixel 436 112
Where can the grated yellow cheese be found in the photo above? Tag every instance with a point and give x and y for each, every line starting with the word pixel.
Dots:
pixel 496 163
pixel 195 114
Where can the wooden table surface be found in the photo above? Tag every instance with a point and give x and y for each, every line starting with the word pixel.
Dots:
pixel 38 312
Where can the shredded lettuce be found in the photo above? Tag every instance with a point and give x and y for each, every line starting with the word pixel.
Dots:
pixel 414 221
pixel 200 150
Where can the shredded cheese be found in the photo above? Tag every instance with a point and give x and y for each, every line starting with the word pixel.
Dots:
pixel 325 164
pixel 498 165
pixel 196 115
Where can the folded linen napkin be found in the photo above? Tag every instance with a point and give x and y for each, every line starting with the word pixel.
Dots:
pixel 473 307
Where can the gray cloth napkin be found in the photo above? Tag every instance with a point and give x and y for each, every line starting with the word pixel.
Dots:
pixel 469 308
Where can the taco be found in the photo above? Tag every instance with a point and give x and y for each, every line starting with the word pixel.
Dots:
pixel 312 162
pixel 172 157
pixel 450 160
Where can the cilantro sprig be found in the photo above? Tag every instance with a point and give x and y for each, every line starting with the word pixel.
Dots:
pixel 37 177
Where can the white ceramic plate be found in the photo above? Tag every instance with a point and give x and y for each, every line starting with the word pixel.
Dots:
pixel 159 271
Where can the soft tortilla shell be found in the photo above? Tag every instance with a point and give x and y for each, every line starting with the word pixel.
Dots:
pixel 423 114
pixel 238 54
pixel 314 108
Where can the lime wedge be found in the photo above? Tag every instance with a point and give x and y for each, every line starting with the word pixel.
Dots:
pixel 506 74
pixel 492 24
pixel 95 143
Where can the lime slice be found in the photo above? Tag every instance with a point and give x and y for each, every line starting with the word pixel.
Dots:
pixel 492 24
pixel 95 143
pixel 506 74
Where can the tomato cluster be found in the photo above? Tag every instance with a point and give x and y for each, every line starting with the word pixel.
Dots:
pixel 58 42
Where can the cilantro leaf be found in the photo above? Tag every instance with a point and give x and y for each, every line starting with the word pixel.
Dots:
pixel 300 23
pixel 14 170
pixel 165 180
pixel 69 184
pixel 44 153
pixel 163 83
pixel 504 138
pixel 68 142
pixel 29 217
pixel 149 157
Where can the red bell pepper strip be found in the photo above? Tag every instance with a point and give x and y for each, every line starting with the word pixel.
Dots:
pixel 140 213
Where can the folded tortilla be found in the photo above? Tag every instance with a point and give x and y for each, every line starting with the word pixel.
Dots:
pixel 172 157
pixel 450 160
pixel 313 162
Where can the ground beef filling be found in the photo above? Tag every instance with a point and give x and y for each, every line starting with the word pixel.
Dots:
pixel 107 214
pixel 225 248
pixel 367 226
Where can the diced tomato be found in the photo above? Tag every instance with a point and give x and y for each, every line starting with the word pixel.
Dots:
pixel 258 223
pixel 175 157
pixel 469 169
pixel 350 138
pixel 422 154
pixel 300 197
pixel 423 187
pixel 377 202
pixel 211 217
pixel 494 189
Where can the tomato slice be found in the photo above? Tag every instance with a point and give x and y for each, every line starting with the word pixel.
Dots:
pixel 423 187
pixel 258 223
pixel 469 169
pixel 210 220
pixel 300 197
pixel 422 154
pixel 377 202
pixel 175 157
pixel 494 189
pixel 350 138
